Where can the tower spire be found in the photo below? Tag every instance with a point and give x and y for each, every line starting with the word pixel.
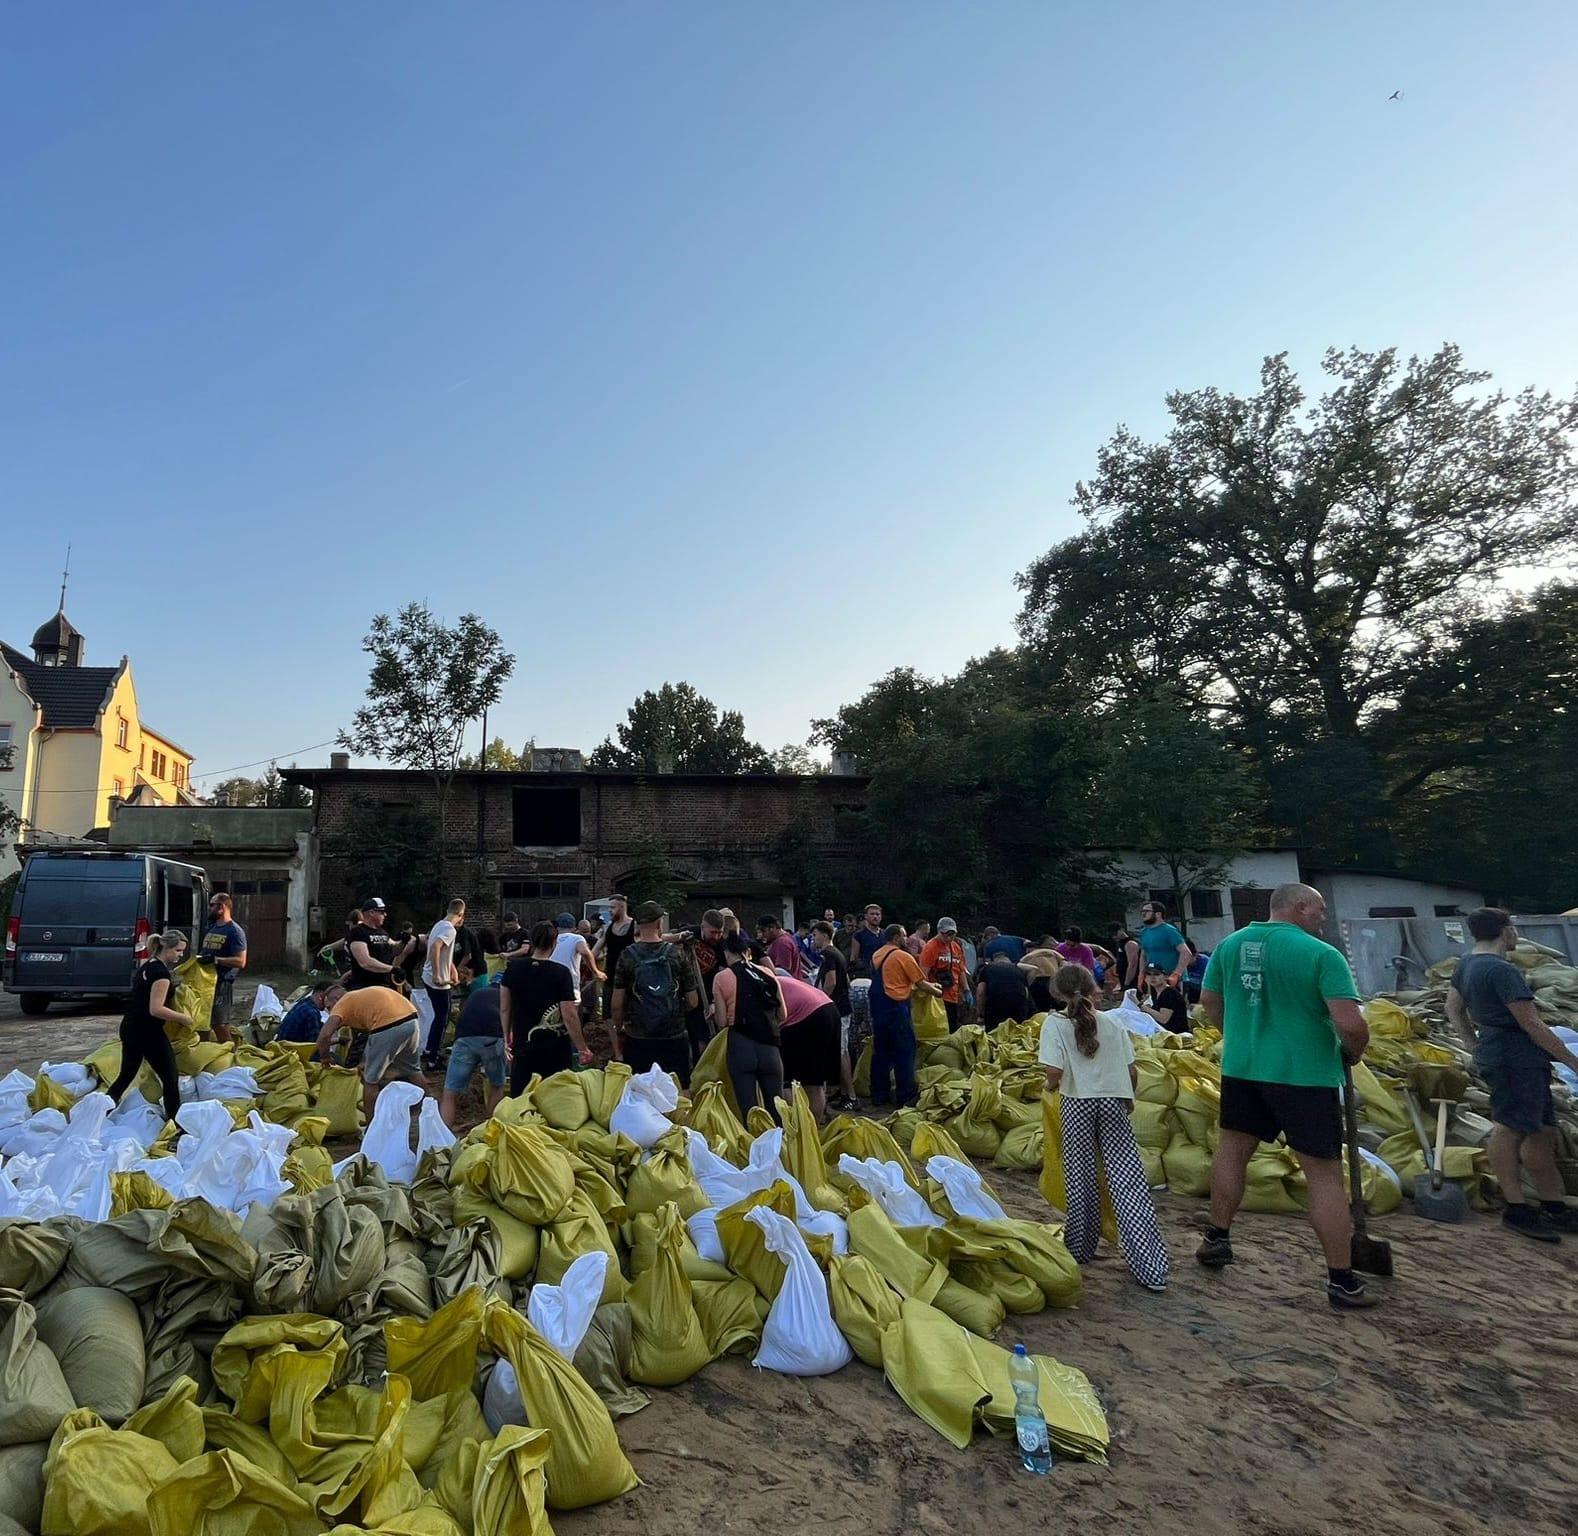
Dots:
pixel 65 576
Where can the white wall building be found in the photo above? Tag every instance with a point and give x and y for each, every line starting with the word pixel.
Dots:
pixel 1211 912
pixel 1356 893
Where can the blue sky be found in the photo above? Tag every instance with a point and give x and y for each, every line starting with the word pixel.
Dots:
pixel 756 345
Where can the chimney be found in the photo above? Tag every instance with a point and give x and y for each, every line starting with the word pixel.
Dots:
pixel 844 764
pixel 339 762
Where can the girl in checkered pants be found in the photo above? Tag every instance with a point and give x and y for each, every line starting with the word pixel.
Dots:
pixel 1089 1060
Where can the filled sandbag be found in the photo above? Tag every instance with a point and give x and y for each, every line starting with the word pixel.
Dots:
pixel 22 1483
pixel 34 1397
pixel 31 1254
pixel 669 1343
pixel 96 1335
pixel 863 1304
pixel 101 1479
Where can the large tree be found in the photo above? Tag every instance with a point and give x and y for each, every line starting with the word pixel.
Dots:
pixel 270 790
pixel 678 730
pixel 427 683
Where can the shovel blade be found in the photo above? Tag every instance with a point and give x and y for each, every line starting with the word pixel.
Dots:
pixel 1371 1256
pixel 1448 1203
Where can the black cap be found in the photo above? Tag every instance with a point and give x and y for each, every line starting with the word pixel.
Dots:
pixel 374 904
pixel 649 912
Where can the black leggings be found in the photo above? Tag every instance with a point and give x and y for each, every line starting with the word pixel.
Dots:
pixel 753 1065
pixel 147 1042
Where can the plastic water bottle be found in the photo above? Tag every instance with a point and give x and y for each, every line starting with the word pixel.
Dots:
pixel 1030 1424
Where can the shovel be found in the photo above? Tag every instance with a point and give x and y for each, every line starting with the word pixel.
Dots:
pixel 1434 1199
pixel 1370 1255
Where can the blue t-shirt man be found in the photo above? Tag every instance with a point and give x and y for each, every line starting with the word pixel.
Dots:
pixel 1004 944
pixel 304 1021
pixel 1160 941
pixel 867 942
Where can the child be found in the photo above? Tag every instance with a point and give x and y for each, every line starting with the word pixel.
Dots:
pixel 1090 1060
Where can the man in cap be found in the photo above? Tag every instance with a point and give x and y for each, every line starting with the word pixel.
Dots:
pixel 374 954
pixel 572 951
pixel 654 987
pixel 942 961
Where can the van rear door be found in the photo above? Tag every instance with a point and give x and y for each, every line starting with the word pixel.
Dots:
pixel 78 921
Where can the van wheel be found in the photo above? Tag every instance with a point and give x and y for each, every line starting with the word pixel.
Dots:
pixel 35 1003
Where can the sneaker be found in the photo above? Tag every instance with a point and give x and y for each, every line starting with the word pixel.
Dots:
pixel 1564 1220
pixel 844 1106
pixel 432 1064
pixel 1155 1290
pixel 1528 1222
pixel 1214 1252
pixel 1350 1298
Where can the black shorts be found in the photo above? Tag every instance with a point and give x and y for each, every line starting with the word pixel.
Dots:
pixel 810 1049
pixel 1518 1074
pixel 1310 1118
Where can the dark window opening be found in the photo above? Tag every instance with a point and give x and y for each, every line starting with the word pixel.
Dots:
pixel 1167 900
pixel 546 816
pixel 1251 904
pixel 1205 903
pixel 539 890
pixel 1393 912
pixel 1451 909
pixel 180 905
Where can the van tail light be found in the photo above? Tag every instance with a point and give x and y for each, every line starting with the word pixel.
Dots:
pixel 140 940
pixel 13 931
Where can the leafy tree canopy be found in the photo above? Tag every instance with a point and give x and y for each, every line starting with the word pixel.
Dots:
pixel 678 730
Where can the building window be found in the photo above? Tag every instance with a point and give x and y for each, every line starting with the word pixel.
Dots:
pixel 142 755
pixel 1166 900
pixel 546 816
pixel 1251 904
pixel 1393 912
pixel 1451 909
pixel 178 774
pixel 6 742
pixel 159 763
pixel 120 789
pixel 539 890
pixel 120 733
pixel 1204 903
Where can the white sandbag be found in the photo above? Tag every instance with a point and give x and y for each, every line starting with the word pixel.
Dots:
pixel 799 1337
pixel 231 1083
pixel 501 1398
pixel 886 1184
pixel 135 1120
pixel 34 1137
pixel 721 1182
pixel 75 1078
pixel 14 1089
pixel 432 1135
pixel 703 1229
pixel 388 1139
pixel 562 1313
pixel 644 1108
pixel 1564 1073
pixel 266 1005
pixel 965 1189
pixel 1134 1019
pixel 1382 1167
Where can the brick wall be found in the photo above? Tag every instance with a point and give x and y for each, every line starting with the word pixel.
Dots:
pixel 717 833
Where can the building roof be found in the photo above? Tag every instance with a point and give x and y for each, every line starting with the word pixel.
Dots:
pixel 175 746
pixel 524 776
pixel 55 634
pixel 71 697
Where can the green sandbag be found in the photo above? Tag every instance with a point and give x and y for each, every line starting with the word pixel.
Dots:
pixel 603 1359
pixel 22 1485
pixel 34 1397
pixel 96 1335
pixel 31 1254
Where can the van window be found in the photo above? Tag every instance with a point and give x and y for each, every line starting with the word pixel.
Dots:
pixel 80 902
pixel 180 905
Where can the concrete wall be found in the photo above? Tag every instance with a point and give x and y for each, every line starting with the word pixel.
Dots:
pixel 1352 894
pixel 1262 869
pixel 17 711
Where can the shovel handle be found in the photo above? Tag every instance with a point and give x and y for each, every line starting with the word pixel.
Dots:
pixel 1436 1175
pixel 1350 1105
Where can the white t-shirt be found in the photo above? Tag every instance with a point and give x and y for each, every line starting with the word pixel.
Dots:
pixel 442 932
pixel 1102 1076
pixel 565 949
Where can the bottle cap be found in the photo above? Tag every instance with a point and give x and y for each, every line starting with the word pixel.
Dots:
pixel 1019 1349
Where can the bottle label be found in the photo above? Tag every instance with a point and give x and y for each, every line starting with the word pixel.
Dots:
pixel 1032 1436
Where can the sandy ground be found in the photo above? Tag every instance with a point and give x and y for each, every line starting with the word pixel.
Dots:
pixel 1238 1402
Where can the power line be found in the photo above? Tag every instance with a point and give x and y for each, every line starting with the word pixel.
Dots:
pixel 294 752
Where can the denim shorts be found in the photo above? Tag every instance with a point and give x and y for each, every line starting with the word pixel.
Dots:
pixel 467 1054
pixel 1518 1074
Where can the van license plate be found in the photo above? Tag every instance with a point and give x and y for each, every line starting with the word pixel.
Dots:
pixel 43 954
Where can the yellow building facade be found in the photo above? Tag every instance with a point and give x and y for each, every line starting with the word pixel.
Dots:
pixel 75 742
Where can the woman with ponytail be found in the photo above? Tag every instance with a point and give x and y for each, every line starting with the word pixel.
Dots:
pixel 1089 1061
pixel 147 1012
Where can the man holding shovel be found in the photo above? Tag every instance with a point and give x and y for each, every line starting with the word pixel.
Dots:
pixel 1288 1010
pixel 1513 1052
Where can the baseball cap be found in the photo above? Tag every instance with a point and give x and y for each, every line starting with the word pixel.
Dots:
pixel 649 912
pixel 565 920
pixel 374 904
pixel 947 925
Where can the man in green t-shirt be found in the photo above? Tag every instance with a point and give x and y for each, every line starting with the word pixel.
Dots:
pixel 1289 1012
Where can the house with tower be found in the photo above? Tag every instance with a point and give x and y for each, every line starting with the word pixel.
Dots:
pixel 73 743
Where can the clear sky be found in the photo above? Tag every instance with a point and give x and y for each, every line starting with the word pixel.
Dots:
pixel 751 344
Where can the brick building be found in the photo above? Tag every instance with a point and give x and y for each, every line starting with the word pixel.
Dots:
pixel 542 842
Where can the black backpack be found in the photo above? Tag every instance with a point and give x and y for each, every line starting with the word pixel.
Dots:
pixel 655 1009
pixel 757 1014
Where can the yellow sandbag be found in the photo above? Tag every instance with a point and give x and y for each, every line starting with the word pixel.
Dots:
pixel 1076 1423
pixel 203 1056
pixel 1198 1108
pixel 1381 1107
pixel 1187 1166
pixel 105 1062
pixel 585 1464
pixel 668 1344
pixel 663 1177
pixel 802 1151
pixel 745 1244
pixel 604 1087
pixel 862 1071
pixel 864 1305
pixel 519 1241
pixel 580 1229
pixel 928 1361
pixel 99 1480
pixel 192 993
pixel 338 1099
pixel 1153 1124
pixel 712 1118
pixel 641 1238
pixel 974 1127
pixel 732 1312
pixel 606 1152
pixel 1269 1181
pixel 46 1093
pixel 928 1017
pixel 911 1271
pixel 439 1355
pixel 530 1174
pixel 1033 1249
pixel 862 1138
pixel 1389 1020
pixel 1054 1188
pixel 308 1168
pixel 225 1432
pixel 904 1123
pixel 1468 1166
pixel 1022 1148
pixel 174 1420
pixel 137 1191
pixel 246 1362
pixel 758 1122
pixel 1383 1193
pixel 511 1487
pixel 561 1100
pixel 224 1494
